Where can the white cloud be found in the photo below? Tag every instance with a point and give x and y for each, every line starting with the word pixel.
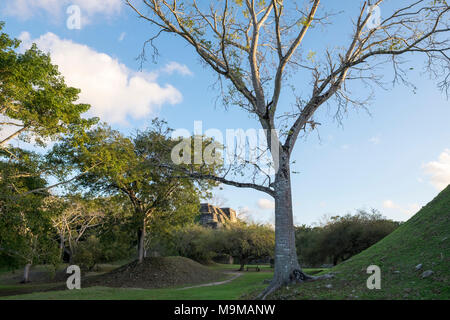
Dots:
pixel 173 66
pixel 439 170
pixel 114 91
pixel 389 204
pixel 108 7
pixel 401 212
pixel 26 9
pixel 254 216
pixel 265 204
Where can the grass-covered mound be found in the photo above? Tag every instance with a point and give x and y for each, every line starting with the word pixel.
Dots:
pixel 423 239
pixel 156 272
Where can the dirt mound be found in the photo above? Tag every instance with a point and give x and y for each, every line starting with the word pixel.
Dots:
pixel 156 272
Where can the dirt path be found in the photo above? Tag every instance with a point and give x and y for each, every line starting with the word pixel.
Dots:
pixel 235 276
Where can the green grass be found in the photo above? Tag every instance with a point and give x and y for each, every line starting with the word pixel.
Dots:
pixel 14 289
pixel 425 239
pixel 264 268
pixel 245 284
pixel 235 267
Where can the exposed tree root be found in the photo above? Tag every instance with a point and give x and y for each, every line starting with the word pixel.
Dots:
pixel 274 285
pixel 297 276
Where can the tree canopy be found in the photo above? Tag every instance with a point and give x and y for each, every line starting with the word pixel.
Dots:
pixel 109 163
pixel 35 102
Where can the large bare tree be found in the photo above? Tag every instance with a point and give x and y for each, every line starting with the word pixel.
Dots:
pixel 254 47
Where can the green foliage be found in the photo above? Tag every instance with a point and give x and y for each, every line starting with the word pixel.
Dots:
pixel 116 236
pixel 341 237
pixel 25 226
pixel 246 242
pixel 111 164
pixel 34 97
pixel 88 254
pixel 195 242
pixel 239 240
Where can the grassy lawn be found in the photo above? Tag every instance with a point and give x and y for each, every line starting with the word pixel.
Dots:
pixel 248 282
pixel 242 286
pixel 263 267
pixel 424 239
pixel 235 267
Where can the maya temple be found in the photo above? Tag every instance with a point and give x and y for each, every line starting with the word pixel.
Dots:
pixel 214 217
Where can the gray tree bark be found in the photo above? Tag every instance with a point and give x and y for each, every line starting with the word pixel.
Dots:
pixel 141 244
pixel 61 245
pixel 286 260
pixel 243 262
pixel 287 268
pixel 26 273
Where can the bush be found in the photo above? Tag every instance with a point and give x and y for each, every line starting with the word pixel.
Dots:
pixel 341 237
pixel 88 253
pixel 195 242
pixel 245 242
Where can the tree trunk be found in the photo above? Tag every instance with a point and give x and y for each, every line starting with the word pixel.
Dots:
pixel 70 254
pixel 286 260
pixel 141 244
pixel 26 273
pixel 287 268
pixel 243 262
pixel 61 246
pixel 71 251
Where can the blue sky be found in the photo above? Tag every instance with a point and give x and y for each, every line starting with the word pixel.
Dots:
pixel 395 160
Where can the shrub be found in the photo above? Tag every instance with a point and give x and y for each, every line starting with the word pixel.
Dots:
pixel 88 253
pixel 341 237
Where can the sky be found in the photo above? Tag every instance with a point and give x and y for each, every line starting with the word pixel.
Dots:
pixel 395 158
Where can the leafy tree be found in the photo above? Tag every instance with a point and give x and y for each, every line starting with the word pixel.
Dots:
pixel 195 242
pixel 246 242
pixel 93 230
pixel 88 253
pixel 26 231
pixel 342 237
pixel 253 47
pixel 75 217
pixel 112 164
pixel 115 233
pixel 34 99
pixel 307 239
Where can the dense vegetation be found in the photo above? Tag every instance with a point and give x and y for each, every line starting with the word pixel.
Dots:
pixel 109 193
pixel 341 237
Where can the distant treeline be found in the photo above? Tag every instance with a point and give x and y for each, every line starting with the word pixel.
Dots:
pixel 333 241
pixel 341 237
